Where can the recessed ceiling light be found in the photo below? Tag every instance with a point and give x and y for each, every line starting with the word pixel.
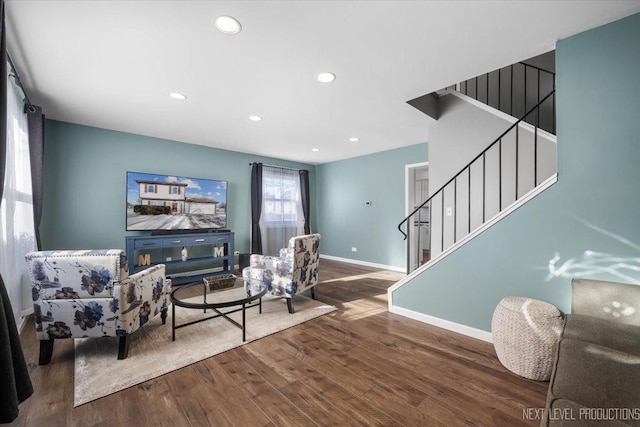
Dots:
pixel 255 118
pixel 178 96
pixel 228 25
pixel 315 149
pixel 354 139
pixel 326 77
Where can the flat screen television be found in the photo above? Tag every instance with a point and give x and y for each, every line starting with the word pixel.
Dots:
pixel 168 202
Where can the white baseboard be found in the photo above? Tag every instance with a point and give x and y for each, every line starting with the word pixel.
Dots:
pixel 23 321
pixel 365 263
pixel 444 324
pixel 24 315
pixel 424 318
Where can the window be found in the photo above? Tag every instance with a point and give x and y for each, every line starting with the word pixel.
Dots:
pixel 151 188
pixel 175 189
pixel 281 197
pixel 282 217
pixel 17 235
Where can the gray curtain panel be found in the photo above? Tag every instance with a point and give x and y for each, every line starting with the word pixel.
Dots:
pixel 306 204
pixel 256 208
pixel 36 156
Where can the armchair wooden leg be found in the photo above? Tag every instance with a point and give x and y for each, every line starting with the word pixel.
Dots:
pixel 290 305
pixel 313 292
pixel 163 315
pixel 123 348
pixel 46 350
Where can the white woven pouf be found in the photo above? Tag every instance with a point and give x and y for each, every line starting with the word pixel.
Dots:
pixel 525 332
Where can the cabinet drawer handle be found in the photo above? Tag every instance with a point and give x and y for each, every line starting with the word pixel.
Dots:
pixel 199 240
pixel 221 238
pixel 149 244
pixel 176 241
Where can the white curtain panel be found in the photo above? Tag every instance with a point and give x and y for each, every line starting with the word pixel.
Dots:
pixel 282 216
pixel 17 235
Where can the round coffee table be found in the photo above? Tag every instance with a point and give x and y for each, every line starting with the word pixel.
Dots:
pixel 240 293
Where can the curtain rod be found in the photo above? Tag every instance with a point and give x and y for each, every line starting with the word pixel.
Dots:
pixel 16 77
pixel 274 166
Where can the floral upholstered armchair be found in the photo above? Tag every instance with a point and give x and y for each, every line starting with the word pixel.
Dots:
pixel 293 272
pixel 89 293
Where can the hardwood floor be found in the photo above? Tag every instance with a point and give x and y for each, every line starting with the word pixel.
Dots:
pixel 359 365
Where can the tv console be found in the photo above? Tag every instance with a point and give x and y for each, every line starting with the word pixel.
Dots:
pixel 208 254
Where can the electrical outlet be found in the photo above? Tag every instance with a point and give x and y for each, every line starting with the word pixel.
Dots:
pixel 354 249
pixel 449 211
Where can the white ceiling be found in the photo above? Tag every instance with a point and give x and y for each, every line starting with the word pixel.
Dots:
pixel 111 64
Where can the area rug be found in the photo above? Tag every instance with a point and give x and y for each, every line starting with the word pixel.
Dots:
pixel 98 373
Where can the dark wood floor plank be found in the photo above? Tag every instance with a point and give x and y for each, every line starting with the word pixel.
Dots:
pixel 337 363
pixel 51 407
pixel 272 374
pixel 276 406
pixel 359 365
pixel 398 383
pixel 432 373
pixel 235 404
pixel 461 372
pixel 165 409
pixel 356 409
pixel 321 410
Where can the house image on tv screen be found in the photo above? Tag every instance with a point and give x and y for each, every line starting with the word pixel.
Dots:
pixel 157 202
pixel 171 194
pixel 174 195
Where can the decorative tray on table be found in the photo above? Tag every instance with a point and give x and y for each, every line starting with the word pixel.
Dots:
pixel 221 281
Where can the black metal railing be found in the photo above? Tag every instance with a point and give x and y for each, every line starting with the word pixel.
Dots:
pixel 512 134
pixel 514 90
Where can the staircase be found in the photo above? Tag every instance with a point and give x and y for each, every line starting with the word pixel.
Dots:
pixel 513 168
pixel 514 90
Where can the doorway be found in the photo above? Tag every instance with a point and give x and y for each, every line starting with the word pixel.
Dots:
pixel 418 227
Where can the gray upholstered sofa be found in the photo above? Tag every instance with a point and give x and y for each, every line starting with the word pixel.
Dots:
pixel 596 377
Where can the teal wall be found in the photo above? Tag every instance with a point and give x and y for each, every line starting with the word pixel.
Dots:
pixel 85 173
pixel 594 206
pixel 342 189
